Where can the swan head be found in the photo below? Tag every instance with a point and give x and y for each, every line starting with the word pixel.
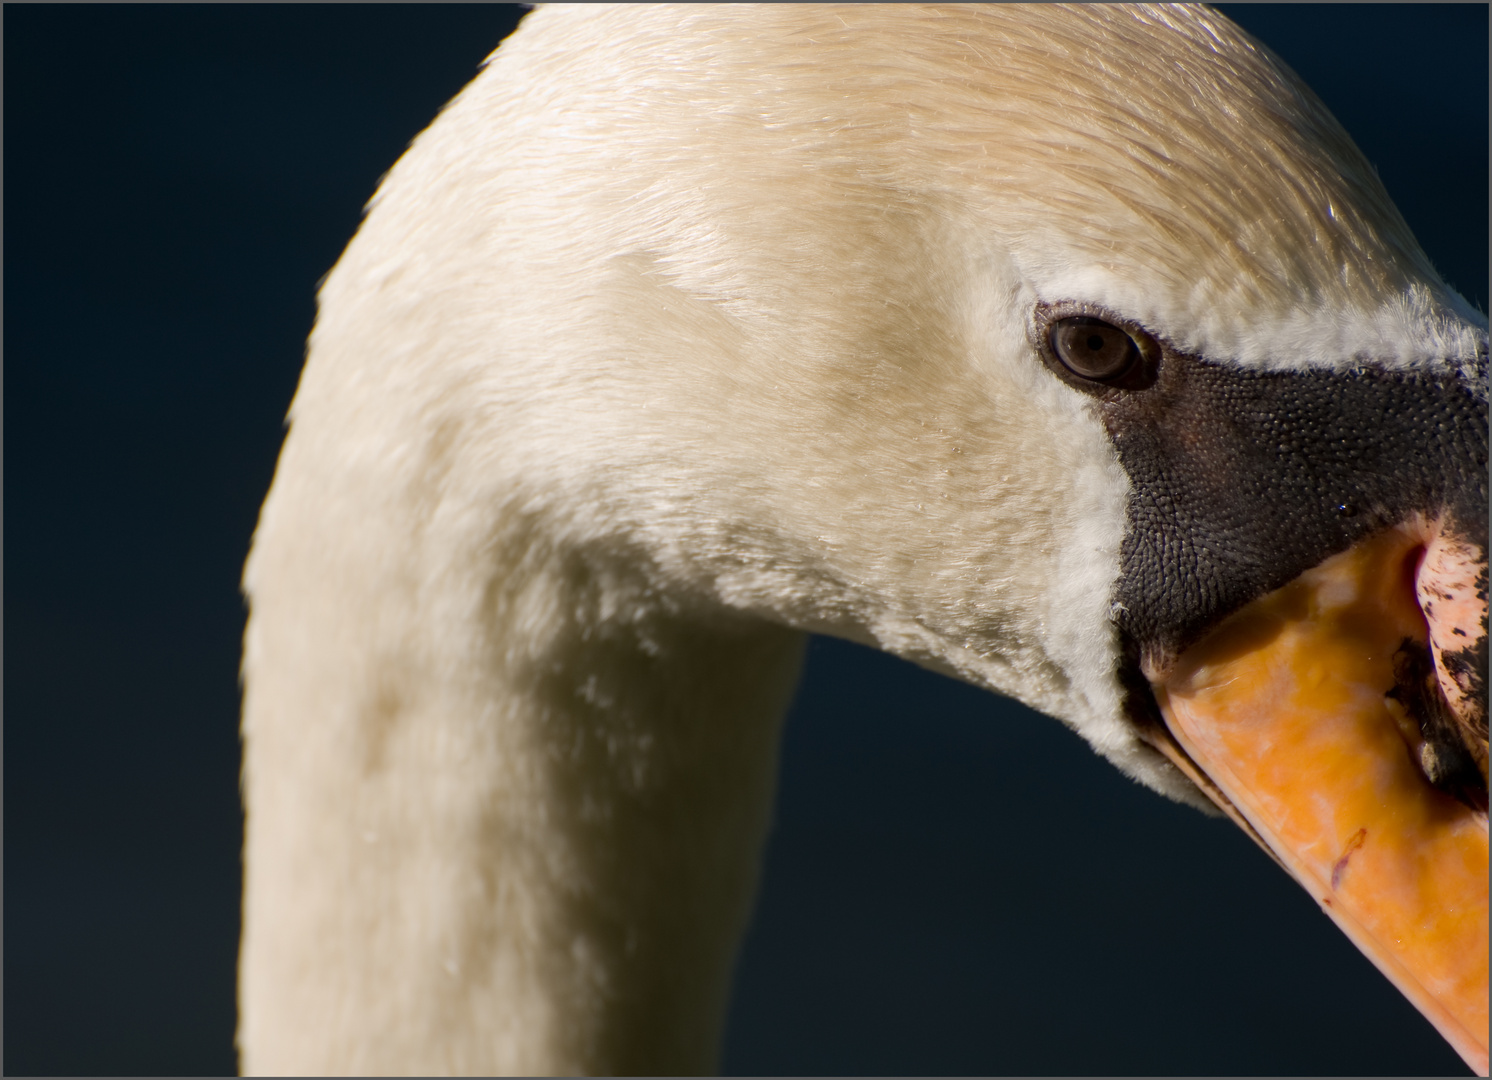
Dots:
pixel 784 316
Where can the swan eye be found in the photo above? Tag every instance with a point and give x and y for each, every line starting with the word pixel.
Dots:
pixel 1094 349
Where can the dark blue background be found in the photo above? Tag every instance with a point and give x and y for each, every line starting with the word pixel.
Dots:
pixel 954 883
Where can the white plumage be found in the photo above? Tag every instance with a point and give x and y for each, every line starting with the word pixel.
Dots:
pixel 682 331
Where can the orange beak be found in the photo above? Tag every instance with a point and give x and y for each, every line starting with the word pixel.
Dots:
pixel 1305 717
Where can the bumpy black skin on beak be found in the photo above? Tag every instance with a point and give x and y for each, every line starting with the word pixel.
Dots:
pixel 1243 479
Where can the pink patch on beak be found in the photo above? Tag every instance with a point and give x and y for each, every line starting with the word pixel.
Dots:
pixel 1451 586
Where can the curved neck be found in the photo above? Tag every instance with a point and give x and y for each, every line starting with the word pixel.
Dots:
pixel 540 863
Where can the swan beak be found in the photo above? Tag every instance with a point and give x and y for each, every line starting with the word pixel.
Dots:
pixel 1342 720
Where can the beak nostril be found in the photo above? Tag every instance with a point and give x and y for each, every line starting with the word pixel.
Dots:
pixel 1414 558
pixel 1450 587
pixel 1438 746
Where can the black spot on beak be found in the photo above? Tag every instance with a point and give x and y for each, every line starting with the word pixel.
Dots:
pixel 1444 756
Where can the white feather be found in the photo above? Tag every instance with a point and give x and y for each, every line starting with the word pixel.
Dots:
pixel 684 330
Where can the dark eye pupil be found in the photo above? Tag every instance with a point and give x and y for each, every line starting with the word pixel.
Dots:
pixel 1093 349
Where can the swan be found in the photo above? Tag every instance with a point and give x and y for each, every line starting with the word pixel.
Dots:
pixel 1073 352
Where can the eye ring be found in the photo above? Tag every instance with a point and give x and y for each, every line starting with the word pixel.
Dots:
pixel 1094 349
